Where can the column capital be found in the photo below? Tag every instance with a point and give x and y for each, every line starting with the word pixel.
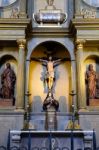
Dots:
pixel 21 43
pixel 80 43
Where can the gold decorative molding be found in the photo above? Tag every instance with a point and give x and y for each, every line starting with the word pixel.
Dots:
pixel 21 43
pixel 72 125
pixel 80 43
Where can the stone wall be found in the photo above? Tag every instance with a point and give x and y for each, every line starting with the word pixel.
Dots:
pixel 9 120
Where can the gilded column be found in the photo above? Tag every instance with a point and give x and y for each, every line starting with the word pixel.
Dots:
pixel 23 4
pixel 21 74
pixel 80 74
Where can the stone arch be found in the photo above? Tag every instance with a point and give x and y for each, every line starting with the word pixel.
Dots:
pixel 7 54
pixel 90 55
pixel 8 58
pixel 36 72
pixel 68 44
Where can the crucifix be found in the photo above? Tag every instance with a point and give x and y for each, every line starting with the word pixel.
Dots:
pixel 50 63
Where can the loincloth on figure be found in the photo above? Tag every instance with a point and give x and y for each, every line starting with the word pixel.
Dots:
pixel 49 74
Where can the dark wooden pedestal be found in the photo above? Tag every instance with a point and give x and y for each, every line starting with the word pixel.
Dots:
pixel 6 102
pixel 51 119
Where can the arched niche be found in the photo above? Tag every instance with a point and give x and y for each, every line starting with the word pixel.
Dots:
pixel 62 84
pixel 13 62
pixel 94 60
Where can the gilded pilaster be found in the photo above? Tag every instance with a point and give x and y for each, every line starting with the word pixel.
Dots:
pixel 21 74
pixel 80 74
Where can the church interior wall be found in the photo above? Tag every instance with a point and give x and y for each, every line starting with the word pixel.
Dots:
pixel 32 42
pixel 9 119
pixel 90 121
pixel 65 41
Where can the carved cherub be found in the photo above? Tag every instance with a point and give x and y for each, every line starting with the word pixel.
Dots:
pixel 15 13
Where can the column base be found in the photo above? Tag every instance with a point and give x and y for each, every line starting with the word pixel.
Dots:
pixel 19 110
pixel 83 109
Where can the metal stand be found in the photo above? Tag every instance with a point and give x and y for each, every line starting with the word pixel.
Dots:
pixel 51 119
pixel 73 109
pixel 27 111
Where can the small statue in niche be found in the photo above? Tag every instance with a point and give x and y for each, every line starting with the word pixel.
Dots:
pixel 97 86
pixel 50 2
pixel 15 13
pixel 50 102
pixel 8 80
pixel 91 79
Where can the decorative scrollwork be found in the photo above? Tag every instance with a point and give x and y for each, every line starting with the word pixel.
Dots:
pixel 88 13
